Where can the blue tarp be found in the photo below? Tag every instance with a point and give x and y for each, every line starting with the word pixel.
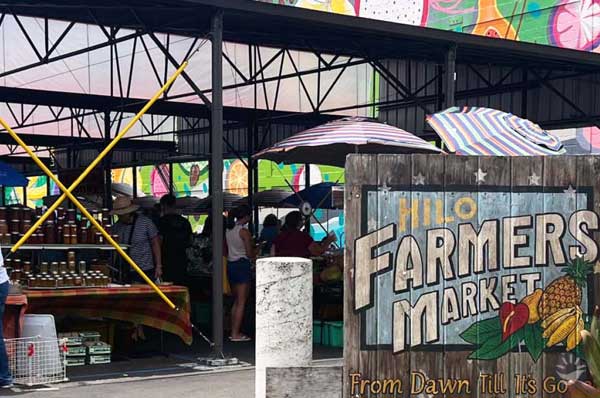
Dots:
pixel 10 177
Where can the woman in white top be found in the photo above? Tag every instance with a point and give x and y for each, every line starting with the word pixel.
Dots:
pixel 5 377
pixel 240 253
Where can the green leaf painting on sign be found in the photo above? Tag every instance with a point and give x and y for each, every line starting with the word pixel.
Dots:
pixel 481 331
pixel 534 341
pixel 495 348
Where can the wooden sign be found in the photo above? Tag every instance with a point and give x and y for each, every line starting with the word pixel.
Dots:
pixel 468 277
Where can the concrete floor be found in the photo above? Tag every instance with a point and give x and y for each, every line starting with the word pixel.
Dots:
pixel 223 383
pixel 228 384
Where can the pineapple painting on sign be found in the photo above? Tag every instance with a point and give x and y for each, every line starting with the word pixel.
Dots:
pixel 490 271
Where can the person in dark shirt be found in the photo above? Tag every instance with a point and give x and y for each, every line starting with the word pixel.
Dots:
pixel 270 230
pixel 176 233
pixel 292 242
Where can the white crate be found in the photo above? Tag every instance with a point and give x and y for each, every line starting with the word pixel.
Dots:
pixel 35 360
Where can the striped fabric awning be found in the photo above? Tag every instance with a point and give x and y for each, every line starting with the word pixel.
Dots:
pixel 490 132
pixel 330 143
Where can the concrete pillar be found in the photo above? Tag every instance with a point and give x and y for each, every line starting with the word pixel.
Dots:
pixel 284 309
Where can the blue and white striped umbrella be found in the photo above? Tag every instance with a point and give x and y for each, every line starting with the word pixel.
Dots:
pixel 490 132
pixel 330 143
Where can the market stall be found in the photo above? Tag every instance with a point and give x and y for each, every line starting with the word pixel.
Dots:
pixel 66 269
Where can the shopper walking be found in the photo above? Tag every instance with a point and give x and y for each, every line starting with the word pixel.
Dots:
pixel 5 376
pixel 240 252
pixel 176 233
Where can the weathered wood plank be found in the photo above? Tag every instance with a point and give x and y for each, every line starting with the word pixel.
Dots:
pixel 361 170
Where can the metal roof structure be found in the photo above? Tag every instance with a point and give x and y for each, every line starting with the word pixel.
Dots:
pixel 84 67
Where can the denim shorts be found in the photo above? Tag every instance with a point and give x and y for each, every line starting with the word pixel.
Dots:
pixel 239 271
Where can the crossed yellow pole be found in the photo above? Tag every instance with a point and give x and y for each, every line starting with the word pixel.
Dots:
pixel 67 192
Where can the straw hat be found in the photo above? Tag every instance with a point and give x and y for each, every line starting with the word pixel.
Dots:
pixel 123 205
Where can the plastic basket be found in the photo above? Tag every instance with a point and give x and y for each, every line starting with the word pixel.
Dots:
pixel 34 361
pixel 334 334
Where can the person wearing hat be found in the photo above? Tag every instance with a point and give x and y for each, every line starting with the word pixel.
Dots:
pixel 140 233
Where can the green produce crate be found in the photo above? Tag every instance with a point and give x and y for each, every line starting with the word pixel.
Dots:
pixel 75 361
pixel 98 359
pixel 334 334
pixel 73 339
pixel 317 332
pixel 98 348
pixel 76 351
pixel 90 336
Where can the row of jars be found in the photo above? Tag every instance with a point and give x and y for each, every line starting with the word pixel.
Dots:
pixel 89 279
pixel 25 213
pixel 62 228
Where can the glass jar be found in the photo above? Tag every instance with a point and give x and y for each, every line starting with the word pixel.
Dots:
pixel 3 227
pixel 25 226
pixel 26 266
pixel 63 267
pixel 72 266
pixel 15 225
pixel 82 267
pixel 61 212
pixel 17 264
pixel 27 214
pixel 99 238
pixel 83 235
pixel 44 267
pixel 49 232
pixel 71 215
pixel 66 238
pixel 54 266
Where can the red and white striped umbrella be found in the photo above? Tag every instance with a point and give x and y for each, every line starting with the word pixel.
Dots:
pixel 330 143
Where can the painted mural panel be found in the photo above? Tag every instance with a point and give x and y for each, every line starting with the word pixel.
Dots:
pixel 563 23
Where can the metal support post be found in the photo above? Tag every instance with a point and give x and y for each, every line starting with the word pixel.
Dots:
pixel 306 186
pixel 524 91
pixel 106 165
pixel 216 188
pixel 450 78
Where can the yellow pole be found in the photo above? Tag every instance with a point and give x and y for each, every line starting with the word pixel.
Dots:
pixel 91 166
pixel 84 211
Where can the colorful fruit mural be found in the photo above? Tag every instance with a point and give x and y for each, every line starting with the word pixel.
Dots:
pixel 541 320
pixel 563 23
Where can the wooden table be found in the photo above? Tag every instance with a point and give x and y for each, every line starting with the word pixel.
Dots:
pixel 138 304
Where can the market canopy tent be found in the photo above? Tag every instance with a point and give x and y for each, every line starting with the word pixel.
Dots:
pixel 330 143
pixel 489 132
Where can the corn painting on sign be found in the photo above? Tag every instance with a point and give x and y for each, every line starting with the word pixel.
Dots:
pixel 476 275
